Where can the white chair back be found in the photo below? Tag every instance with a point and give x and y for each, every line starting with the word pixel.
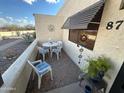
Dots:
pixel 60 43
pixel 34 68
pixel 39 48
pixel 59 48
pixel 42 50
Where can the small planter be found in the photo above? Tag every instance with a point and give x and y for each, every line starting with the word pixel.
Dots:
pixel 88 89
pixel 99 77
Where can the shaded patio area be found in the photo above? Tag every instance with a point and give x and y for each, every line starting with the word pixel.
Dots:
pixel 65 72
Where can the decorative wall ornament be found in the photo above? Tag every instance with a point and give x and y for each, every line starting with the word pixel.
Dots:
pixel 83 37
pixel 80 55
pixel 51 28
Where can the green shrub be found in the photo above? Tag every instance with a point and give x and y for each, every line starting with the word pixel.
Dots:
pixel 18 33
pixel 5 37
pixel 34 35
pixel 98 64
pixel 28 38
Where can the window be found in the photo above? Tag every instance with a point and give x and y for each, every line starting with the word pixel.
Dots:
pixel 73 35
pixel 85 38
pixel 122 5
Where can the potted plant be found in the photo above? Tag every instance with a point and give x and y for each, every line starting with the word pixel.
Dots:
pixel 98 67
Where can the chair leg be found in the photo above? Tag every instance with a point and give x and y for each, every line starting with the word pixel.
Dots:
pixel 39 82
pixel 51 54
pixel 43 57
pixel 57 56
pixel 60 53
pixel 33 75
pixel 51 74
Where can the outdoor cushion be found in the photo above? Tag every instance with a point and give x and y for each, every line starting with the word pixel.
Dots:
pixel 42 67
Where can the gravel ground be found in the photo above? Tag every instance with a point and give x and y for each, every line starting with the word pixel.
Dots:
pixel 2 42
pixel 65 72
pixel 15 51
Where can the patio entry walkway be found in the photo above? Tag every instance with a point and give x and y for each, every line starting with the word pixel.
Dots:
pixel 72 88
pixel 65 72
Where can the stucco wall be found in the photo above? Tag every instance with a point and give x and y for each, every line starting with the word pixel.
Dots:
pixel 70 8
pixel 42 22
pixel 111 43
pixel 73 6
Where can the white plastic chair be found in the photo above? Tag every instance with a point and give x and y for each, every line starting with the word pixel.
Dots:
pixel 41 68
pixel 60 43
pixel 57 51
pixel 43 51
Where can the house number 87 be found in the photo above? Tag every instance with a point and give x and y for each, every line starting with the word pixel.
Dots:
pixel 110 25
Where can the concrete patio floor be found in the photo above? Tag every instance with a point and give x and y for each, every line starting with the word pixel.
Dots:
pixel 72 88
pixel 65 72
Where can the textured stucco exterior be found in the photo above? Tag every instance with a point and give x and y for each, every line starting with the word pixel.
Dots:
pixel 42 23
pixel 108 43
pixel 111 43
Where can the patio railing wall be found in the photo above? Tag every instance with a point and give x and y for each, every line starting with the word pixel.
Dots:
pixel 17 75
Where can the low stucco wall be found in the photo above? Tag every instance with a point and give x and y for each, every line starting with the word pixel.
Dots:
pixel 17 75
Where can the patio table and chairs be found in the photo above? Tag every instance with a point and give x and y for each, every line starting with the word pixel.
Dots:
pixel 54 47
pixel 50 44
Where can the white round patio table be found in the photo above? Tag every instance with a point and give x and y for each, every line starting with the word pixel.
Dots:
pixel 50 44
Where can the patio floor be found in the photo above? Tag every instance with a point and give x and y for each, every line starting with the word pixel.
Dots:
pixel 65 72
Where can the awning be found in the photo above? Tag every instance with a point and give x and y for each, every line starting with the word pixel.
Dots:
pixel 88 18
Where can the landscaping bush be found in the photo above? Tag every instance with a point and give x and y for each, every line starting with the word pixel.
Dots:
pixel 18 33
pixel 34 35
pixel 28 38
pixel 4 38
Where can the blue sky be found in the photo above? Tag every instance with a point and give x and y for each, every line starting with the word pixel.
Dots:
pixel 21 12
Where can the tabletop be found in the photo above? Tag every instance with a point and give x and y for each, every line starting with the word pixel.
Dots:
pixel 50 44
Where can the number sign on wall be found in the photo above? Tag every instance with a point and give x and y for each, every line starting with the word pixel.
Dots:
pixel 117 24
